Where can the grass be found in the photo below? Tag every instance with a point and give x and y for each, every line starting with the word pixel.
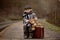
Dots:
pixel 50 26
pixel 4 19
pixel 13 18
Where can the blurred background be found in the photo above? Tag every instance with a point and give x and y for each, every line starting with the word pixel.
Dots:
pixel 13 9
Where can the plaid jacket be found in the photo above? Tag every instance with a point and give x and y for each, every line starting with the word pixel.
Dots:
pixel 26 17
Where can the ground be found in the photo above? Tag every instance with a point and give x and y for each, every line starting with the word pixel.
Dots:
pixel 15 32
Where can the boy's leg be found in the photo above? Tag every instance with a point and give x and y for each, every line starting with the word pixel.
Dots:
pixel 27 32
pixel 24 30
pixel 33 33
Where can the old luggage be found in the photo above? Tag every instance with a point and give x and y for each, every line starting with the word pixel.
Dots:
pixel 39 33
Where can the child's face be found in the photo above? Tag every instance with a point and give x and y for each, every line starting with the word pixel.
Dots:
pixel 28 10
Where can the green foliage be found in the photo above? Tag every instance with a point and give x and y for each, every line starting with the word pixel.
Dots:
pixel 15 17
pixel 3 19
pixel 50 26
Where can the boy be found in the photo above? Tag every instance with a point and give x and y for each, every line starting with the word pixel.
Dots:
pixel 28 14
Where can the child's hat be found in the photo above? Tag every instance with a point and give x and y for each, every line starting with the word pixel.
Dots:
pixel 27 7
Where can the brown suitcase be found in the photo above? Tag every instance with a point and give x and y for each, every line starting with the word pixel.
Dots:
pixel 39 33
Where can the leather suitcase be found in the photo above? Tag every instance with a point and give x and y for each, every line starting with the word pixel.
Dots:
pixel 39 33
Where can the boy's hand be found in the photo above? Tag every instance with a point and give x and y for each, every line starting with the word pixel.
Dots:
pixel 27 20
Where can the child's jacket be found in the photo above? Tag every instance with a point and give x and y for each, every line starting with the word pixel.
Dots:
pixel 28 16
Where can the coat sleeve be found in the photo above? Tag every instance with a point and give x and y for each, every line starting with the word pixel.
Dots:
pixel 24 18
pixel 34 16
